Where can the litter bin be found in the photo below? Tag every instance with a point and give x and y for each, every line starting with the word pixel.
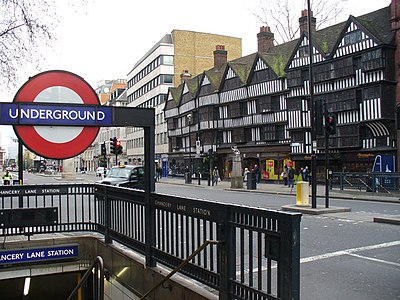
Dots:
pixel 302 193
pixel 188 178
pixel 251 181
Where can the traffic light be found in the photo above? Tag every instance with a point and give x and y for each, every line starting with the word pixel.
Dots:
pixel 103 149
pixel 113 145
pixel 118 147
pixel 330 124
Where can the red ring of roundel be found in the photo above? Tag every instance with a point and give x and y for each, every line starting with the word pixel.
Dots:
pixel 30 137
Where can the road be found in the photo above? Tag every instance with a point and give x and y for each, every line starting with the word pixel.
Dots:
pixel 343 255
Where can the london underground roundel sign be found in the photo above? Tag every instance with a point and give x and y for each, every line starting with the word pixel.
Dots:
pixel 59 88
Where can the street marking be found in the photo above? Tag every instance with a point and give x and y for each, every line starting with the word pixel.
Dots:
pixel 376 260
pixel 338 253
pixel 348 251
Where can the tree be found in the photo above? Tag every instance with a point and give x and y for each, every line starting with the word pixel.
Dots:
pixel 282 16
pixel 25 25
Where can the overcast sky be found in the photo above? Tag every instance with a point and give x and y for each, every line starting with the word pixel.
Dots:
pixel 107 38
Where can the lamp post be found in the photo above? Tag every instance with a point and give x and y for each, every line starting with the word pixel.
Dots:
pixel 189 119
pixel 312 114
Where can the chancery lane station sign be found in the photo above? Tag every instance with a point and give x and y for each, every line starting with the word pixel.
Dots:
pixel 57 115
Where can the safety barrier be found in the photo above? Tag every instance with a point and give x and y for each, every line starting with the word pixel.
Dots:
pixel 384 182
pixel 258 256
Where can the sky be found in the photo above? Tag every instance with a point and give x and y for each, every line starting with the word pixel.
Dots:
pixel 104 39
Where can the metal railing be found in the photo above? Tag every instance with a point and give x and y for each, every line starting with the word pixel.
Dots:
pixel 368 181
pixel 258 258
pixel 178 268
pixel 96 271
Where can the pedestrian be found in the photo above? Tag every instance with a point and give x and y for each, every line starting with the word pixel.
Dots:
pixel 306 173
pixel 284 176
pixel 257 172
pixel 291 177
pixel 300 175
pixel 158 172
pixel 7 177
pixel 245 173
pixel 215 176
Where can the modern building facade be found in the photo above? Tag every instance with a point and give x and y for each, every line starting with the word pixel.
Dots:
pixel 111 93
pixel 181 54
pixel 260 103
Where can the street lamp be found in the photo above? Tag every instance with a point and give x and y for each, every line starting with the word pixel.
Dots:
pixel 189 120
pixel 312 114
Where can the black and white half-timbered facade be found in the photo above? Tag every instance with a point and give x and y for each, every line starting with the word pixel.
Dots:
pixel 260 103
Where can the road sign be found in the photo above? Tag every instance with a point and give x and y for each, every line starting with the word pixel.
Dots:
pixel 57 87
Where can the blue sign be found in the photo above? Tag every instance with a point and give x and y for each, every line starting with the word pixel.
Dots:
pixel 384 163
pixel 38 254
pixel 57 115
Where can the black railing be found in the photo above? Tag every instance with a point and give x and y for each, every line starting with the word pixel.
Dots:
pixel 258 257
pixel 95 273
pixel 385 182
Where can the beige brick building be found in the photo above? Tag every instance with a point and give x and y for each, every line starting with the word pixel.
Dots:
pixel 193 51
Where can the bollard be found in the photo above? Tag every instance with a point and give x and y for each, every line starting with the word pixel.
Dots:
pixel 302 193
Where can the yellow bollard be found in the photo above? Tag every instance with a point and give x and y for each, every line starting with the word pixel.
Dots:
pixel 302 193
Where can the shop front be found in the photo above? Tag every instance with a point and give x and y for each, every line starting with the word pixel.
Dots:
pixel 270 159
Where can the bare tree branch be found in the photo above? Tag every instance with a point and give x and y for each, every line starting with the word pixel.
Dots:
pixel 25 27
pixel 283 15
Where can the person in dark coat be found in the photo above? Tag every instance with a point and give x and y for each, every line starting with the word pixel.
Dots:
pixel 291 177
pixel 257 172
pixel 305 174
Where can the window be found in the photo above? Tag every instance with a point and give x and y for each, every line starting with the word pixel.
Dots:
pixel 243 109
pixel 264 104
pixel 167 60
pixel 268 133
pixel 275 103
pixel 304 51
pixel 167 79
pixel 352 37
pixel 372 60
pixel 234 109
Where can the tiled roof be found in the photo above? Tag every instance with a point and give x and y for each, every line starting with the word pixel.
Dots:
pixel 277 57
pixel 378 23
pixel 242 66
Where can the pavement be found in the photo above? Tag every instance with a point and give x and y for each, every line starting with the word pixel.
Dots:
pixel 303 206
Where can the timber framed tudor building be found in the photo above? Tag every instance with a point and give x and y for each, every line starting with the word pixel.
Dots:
pixel 260 103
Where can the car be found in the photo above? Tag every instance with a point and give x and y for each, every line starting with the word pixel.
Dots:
pixel 50 170
pixel 100 171
pixel 125 176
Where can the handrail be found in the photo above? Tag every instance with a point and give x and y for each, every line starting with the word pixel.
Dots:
pixel 182 264
pixel 98 288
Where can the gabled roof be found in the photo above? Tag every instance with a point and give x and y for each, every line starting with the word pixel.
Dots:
pixel 378 23
pixel 214 75
pixel 193 85
pixel 242 66
pixel 278 57
pixel 176 94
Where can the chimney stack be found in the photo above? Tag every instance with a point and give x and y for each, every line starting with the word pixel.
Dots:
pixel 265 39
pixel 303 21
pixel 185 75
pixel 220 56
pixel 395 14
